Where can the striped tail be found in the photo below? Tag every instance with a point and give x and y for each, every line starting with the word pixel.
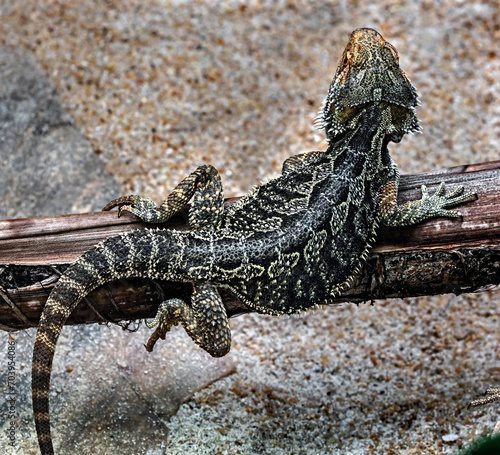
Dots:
pixel 112 259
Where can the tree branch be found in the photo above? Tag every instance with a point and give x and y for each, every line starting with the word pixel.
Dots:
pixel 439 256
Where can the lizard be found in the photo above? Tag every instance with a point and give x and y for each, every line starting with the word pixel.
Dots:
pixel 289 245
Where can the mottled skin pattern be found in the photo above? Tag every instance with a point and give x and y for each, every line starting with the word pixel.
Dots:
pixel 492 394
pixel 289 245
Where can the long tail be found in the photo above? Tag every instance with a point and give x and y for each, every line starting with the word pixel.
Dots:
pixel 114 258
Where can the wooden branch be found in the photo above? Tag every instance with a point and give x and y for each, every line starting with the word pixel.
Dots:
pixel 439 256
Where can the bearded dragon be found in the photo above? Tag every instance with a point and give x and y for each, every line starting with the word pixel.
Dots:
pixel 291 244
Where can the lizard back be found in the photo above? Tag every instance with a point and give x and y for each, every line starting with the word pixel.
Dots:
pixel 296 241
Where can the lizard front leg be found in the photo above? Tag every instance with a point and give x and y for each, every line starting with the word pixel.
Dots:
pixel 413 212
pixel 205 320
pixel 204 185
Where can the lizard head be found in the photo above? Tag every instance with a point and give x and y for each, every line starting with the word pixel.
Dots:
pixel 368 73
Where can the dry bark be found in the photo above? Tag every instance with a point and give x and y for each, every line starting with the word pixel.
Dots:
pixel 436 257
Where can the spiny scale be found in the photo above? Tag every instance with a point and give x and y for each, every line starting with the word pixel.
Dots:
pixel 289 245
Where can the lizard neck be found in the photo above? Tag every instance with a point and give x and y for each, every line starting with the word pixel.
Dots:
pixel 394 119
pixel 362 147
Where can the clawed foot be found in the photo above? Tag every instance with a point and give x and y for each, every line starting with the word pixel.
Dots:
pixel 165 319
pixel 142 207
pixel 205 320
pixel 121 203
pixel 440 201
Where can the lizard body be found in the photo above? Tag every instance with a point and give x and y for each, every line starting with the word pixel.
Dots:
pixel 289 245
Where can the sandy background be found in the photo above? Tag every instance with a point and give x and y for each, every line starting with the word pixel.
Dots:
pixel 161 87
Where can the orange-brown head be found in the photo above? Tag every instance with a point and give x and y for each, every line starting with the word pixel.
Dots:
pixel 368 72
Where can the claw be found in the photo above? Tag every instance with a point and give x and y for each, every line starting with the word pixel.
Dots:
pixel 119 202
pixel 425 192
pixel 441 189
pixel 126 208
pixel 456 192
pixel 166 317
pixel 452 214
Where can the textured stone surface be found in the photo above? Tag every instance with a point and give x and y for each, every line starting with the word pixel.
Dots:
pixel 48 167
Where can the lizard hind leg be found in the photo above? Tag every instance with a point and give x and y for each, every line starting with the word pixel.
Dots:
pixel 203 185
pixel 205 320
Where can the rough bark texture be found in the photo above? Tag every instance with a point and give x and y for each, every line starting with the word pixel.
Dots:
pixel 439 256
